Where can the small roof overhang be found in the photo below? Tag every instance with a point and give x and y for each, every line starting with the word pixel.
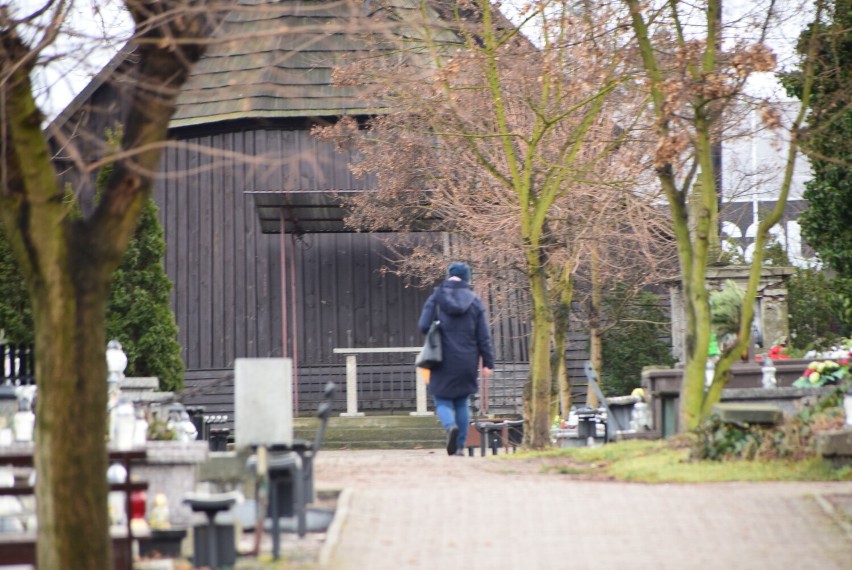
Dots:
pixel 311 211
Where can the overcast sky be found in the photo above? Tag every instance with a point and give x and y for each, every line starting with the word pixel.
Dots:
pixel 92 34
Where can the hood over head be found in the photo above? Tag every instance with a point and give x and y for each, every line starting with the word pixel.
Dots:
pixel 454 297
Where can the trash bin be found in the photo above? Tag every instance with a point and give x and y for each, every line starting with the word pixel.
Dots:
pixel 219 439
pixel 213 544
pixel 586 424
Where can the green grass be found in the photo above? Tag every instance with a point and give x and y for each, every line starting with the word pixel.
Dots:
pixel 668 461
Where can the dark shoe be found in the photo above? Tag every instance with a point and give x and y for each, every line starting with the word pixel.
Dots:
pixel 453 440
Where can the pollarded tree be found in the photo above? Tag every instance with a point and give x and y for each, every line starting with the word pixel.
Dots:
pixel 695 88
pixel 67 261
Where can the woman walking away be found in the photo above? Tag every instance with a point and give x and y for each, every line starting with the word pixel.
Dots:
pixel 465 339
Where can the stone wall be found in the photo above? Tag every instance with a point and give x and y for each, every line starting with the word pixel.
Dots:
pixel 663 387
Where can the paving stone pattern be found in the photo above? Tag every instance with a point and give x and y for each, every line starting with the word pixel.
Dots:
pixel 423 509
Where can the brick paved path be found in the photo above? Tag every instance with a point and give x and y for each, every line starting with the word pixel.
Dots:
pixel 422 509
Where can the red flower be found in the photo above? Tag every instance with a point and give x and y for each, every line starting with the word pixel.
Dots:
pixel 776 354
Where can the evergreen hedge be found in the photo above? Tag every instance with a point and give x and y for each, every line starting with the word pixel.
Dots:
pixel 138 314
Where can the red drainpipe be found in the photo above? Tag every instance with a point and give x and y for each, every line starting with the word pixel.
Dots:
pixel 294 326
pixel 284 338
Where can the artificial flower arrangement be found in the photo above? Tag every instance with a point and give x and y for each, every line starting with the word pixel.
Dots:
pixel 822 373
pixel 777 352
pixel 774 353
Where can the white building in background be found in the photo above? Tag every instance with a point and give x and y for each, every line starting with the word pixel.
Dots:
pixel 752 175
pixel 753 166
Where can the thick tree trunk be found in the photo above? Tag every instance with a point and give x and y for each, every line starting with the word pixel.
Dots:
pixel 68 300
pixel 71 459
pixel 67 264
pixel 697 343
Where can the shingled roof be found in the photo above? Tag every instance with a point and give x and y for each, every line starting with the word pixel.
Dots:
pixel 271 59
pixel 276 59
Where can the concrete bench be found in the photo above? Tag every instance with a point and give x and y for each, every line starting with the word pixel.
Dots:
pixel 836 447
pixel 352 378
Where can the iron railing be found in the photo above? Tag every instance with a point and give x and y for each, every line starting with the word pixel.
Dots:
pixel 18 364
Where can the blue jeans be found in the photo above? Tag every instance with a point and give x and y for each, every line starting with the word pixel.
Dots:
pixel 454 412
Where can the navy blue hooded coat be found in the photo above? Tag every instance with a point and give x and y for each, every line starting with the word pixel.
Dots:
pixel 465 337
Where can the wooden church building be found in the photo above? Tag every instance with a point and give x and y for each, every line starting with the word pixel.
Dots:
pixel 251 204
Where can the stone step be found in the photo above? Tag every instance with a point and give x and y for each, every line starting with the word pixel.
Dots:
pixel 836 447
pixel 742 413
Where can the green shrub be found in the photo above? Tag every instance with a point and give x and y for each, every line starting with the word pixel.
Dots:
pixel 636 341
pixel 16 317
pixel 794 438
pixel 138 312
pixel 814 308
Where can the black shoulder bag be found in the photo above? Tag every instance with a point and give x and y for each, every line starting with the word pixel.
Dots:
pixel 430 355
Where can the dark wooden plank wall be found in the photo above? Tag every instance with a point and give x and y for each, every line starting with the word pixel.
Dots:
pixel 227 274
pixel 344 300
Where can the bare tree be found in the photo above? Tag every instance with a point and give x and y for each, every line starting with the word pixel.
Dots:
pixel 67 260
pixel 507 145
pixel 696 84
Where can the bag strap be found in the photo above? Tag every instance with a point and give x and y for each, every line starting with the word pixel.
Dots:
pixel 437 312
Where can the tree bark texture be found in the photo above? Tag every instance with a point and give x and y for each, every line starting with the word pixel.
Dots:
pixel 542 322
pixel 67 263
